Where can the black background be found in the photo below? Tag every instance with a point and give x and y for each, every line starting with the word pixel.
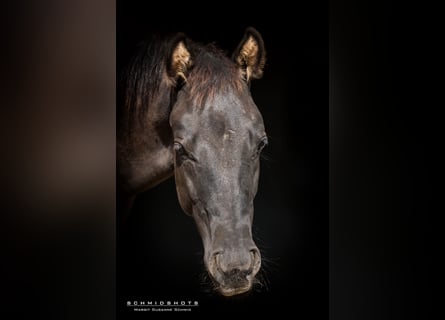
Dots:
pixel 383 133
pixel 159 249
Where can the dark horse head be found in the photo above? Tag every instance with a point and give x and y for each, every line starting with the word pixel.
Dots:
pixel 215 135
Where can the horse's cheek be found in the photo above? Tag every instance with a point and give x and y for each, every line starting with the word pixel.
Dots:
pixel 185 191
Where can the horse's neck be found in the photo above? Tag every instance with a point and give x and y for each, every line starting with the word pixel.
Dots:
pixel 145 156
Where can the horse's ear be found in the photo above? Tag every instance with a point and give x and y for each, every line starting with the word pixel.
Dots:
pixel 250 55
pixel 179 60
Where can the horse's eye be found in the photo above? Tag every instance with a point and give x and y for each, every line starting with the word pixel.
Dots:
pixel 263 142
pixel 178 147
pixel 181 153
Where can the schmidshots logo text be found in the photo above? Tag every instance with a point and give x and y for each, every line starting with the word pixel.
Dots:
pixel 162 305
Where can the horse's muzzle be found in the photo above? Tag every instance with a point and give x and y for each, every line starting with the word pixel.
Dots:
pixel 233 271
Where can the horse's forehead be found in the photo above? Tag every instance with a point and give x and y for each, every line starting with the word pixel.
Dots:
pixel 236 113
pixel 225 115
pixel 233 117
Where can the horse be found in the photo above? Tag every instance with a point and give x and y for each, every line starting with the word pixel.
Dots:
pixel 187 111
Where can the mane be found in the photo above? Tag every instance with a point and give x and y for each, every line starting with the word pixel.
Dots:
pixel 142 77
pixel 212 71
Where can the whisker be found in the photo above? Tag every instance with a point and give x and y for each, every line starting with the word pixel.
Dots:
pixel 266 157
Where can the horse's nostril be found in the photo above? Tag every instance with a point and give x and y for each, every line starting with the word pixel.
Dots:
pixel 255 260
pixel 217 256
pixel 217 253
pixel 254 254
